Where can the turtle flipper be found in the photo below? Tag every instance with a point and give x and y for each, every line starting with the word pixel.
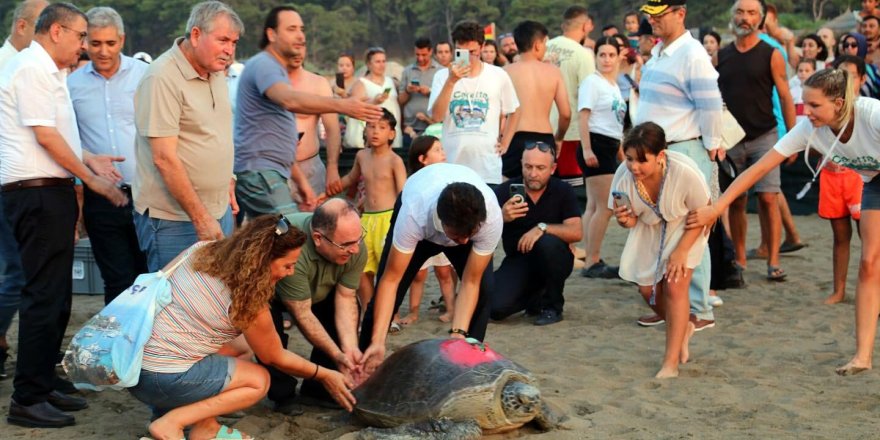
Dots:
pixel 442 429
pixel 550 417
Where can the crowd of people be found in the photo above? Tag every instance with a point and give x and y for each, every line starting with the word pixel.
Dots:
pixel 191 158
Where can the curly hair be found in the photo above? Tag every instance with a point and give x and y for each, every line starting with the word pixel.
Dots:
pixel 242 263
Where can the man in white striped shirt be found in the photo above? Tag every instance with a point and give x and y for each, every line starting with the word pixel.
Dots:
pixel 679 92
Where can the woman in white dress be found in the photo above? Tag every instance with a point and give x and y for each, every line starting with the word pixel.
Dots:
pixel 379 89
pixel 845 129
pixel 652 193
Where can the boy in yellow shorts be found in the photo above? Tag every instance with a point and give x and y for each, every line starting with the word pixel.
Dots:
pixel 384 175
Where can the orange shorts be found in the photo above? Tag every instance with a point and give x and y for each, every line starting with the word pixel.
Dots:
pixel 840 194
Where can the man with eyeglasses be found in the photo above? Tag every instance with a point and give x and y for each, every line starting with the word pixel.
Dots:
pixel 40 154
pixel 321 297
pixel 679 92
pixel 542 218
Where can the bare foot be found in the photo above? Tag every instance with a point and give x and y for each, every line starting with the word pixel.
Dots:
pixel 852 367
pixel 667 373
pixel 410 319
pixel 835 298
pixel 160 430
pixel 446 317
pixel 685 345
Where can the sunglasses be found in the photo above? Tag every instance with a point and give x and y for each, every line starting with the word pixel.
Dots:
pixel 541 146
pixel 283 225
pixel 347 245
pixel 853 45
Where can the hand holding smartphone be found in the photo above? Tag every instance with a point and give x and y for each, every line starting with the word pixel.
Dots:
pixel 462 57
pixel 518 190
pixel 621 199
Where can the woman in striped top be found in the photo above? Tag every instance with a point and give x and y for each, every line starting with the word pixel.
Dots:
pixel 222 290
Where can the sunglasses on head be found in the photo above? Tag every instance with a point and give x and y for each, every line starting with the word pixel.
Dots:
pixel 541 146
pixel 283 225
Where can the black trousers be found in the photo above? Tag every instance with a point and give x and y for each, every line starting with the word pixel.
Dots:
pixel 114 242
pixel 43 221
pixel 534 280
pixel 283 385
pixel 722 255
pixel 457 255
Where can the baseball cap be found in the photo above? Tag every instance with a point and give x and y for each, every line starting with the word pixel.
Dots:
pixel 655 7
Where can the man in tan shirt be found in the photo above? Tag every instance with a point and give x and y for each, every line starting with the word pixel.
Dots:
pixel 183 191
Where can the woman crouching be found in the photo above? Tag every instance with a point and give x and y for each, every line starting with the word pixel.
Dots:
pixel 662 186
pixel 221 291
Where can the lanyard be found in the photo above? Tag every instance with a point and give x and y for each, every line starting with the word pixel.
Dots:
pixel 658 272
pixel 825 158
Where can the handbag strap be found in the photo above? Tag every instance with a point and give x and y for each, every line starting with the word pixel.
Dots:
pixel 167 273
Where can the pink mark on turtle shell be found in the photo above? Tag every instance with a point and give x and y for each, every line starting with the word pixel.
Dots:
pixel 461 352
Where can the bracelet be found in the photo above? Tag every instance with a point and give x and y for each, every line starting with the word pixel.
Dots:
pixel 459 332
pixel 317 367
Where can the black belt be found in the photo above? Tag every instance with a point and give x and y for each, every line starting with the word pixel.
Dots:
pixel 37 183
pixel 698 138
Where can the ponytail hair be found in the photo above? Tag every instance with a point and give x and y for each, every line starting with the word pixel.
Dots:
pixel 836 83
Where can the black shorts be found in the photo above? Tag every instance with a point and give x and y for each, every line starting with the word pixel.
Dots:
pixel 605 148
pixel 511 161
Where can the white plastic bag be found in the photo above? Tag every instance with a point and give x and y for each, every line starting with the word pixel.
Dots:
pixel 108 351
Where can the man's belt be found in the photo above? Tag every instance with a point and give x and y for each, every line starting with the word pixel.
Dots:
pixel 37 183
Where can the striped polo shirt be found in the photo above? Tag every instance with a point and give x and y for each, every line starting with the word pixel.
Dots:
pixel 195 324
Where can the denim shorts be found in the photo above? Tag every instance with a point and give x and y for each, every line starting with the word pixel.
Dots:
pixel 871 194
pixel 163 392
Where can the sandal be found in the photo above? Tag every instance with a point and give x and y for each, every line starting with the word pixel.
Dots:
pixel 227 433
pixel 785 248
pixel 775 273
pixel 394 328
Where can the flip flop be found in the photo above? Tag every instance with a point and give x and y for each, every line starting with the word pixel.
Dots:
pixel 227 433
pixel 395 328
pixel 785 248
pixel 752 254
pixel 775 273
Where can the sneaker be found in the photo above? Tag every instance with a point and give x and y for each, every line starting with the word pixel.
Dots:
pixel 701 324
pixel 600 270
pixel 548 316
pixel 715 301
pixel 650 320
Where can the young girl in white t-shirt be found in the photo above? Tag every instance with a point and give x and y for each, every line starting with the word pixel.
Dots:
pixel 805 68
pixel 845 129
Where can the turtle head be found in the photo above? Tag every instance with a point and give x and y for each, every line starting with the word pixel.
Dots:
pixel 520 400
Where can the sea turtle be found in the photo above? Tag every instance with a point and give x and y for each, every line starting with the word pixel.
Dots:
pixel 449 389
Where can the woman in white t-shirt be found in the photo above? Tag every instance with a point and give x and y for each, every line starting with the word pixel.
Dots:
pixel 379 89
pixel 601 110
pixel 845 129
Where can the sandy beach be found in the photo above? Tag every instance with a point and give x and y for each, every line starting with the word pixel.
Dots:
pixel 765 371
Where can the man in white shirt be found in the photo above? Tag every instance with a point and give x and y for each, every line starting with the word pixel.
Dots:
pixel 679 92
pixel 471 99
pixel 11 276
pixel 39 156
pixel 443 208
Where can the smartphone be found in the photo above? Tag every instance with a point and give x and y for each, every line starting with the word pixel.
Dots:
pixel 621 199
pixel 518 189
pixel 340 80
pixel 462 57
pixel 387 90
pixel 415 82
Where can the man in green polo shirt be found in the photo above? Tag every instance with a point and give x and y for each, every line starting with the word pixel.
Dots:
pixel 321 296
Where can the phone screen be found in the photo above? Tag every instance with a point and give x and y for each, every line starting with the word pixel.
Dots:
pixel 340 80
pixel 415 81
pixel 387 90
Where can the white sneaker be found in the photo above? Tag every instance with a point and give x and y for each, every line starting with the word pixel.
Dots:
pixel 716 301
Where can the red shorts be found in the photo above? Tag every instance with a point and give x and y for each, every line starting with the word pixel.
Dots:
pixel 567 165
pixel 840 194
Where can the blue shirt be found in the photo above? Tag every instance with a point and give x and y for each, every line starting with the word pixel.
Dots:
pixel 265 132
pixel 105 111
pixel 777 104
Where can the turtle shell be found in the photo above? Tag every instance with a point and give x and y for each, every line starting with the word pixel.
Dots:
pixel 439 378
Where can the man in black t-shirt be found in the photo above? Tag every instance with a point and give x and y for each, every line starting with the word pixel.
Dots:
pixel 538 229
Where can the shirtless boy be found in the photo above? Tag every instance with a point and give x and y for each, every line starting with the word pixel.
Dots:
pixel 321 179
pixel 538 85
pixel 384 175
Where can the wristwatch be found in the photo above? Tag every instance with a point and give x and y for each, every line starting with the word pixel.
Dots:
pixel 542 226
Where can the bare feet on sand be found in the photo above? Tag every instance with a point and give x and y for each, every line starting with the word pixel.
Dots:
pixel 446 317
pixel 667 373
pixel 685 346
pixel 410 319
pixel 852 367
pixel 835 298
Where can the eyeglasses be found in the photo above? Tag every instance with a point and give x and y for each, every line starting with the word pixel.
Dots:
pixel 282 226
pixel 82 35
pixel 542 147
pixel 345 246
